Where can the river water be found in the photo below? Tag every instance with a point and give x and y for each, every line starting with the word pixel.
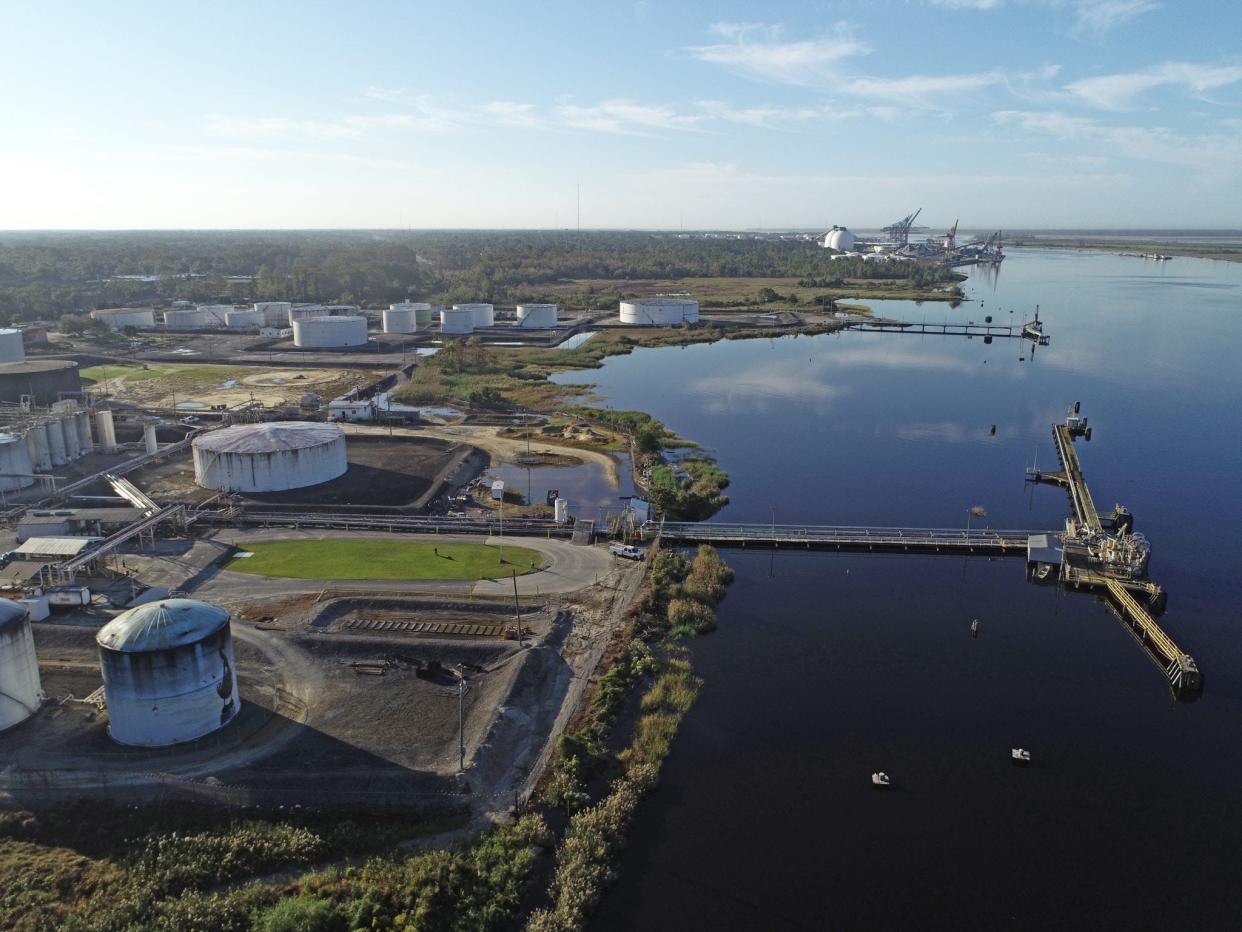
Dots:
pixel 827 667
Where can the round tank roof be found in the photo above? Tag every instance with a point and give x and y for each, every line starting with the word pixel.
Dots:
pixel 36 365
pixel 279 437
pixel 162 625
pixel 10 612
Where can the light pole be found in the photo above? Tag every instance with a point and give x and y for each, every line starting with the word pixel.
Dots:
pixel 461 718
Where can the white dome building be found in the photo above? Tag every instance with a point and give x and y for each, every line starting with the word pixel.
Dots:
pixel 21 692
pixel 840 239
pixel 659 312
pixel 269 457
pixel 168 671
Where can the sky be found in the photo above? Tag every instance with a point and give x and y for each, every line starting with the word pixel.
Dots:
pixel 620 114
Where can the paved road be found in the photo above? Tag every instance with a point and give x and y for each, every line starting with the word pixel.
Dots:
pixel 566 568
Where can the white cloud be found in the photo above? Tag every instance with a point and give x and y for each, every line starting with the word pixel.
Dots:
pixel 759 51
pixel 1099 16
pixel 624 116
pixel 1117 91
pixel 1219 153
pixel 918 90
pixel 967 4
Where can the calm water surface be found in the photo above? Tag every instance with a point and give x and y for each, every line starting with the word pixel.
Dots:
pixel 827 667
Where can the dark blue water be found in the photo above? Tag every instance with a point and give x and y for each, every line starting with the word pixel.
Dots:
pixel 828 667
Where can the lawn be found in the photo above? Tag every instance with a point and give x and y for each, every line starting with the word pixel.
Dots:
pixel 383 559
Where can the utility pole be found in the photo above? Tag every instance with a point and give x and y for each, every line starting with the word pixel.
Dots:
pixel 517 613
pixel 461 717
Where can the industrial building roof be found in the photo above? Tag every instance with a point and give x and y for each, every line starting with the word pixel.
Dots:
pixel 55 546
pixel 277 437
pixel 162 625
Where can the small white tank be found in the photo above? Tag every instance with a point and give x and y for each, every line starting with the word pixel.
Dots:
pixel 168 671
pixel 244 320
pixel 42 458
pixel 326 332
pixel 422 311
pixel 185 319
pixel 399 319
pixel 275 313
pixel 69 425
pixel 118 318
pixel 214 314
pixel 84 433
pixel 484 314
pixel 536 316
pixel 21 692
pixel 560 510
pixel 11 347
pixel 15 466
pixel 106 429
pixel 56 443
pixel 457 321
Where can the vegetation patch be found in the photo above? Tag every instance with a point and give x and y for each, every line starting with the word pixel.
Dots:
pixel 383 559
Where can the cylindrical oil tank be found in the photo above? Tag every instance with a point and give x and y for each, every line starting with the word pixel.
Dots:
pixel 484 314
pixel 106 430
pixel 46 380
pixel 69 426
pixel 536 316
pixel 275 313
pixel 399 319
pixel 20 690
pixel 214 314
pixel 244 320
pixel 84 432
pixel 190 318
pixel 56 443
pixel 11 348
pixel 457 320
pixel 422 311
pixel 326 332
pixel 660 312
pixel 41 460
pixel 118 318
pixel 269 457
pixel 168 671
pixel 15 466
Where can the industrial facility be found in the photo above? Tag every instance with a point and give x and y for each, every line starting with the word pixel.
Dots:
pixel 482 315
pixel 536 316
pixel 457 321
pixel 659 312
pixel 168 671
pixel 269 457
pixel 895 245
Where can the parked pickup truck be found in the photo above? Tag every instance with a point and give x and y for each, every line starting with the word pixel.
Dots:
pixel 625 551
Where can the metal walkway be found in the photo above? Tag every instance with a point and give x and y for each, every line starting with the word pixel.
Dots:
pixel 1179 667
pixel 1073 480
pixel 970 329
pixel 410 524
pixel 826 537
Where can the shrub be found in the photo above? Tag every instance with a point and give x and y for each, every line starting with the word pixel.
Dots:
pixel 690 614
pixel 301 914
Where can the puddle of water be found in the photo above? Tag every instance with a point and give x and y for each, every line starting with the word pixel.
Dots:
pixel 191 405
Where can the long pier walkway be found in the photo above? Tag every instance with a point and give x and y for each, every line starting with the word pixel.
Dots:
pixel 968 329
pixel 1179 667
pixel 831 537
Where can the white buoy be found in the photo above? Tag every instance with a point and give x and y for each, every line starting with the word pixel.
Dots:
pixel 881 780
pixel 1020 756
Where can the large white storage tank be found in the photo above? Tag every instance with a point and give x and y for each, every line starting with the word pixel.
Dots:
pixel 15 465
pixel 484 315
pixel 215 315
pixel 185 319
pixel 457 320
pixel 275 313
pixel 840 239
pixel 660 312
pixel 422 311
pixel 118 318
pixel 269 457
pixel 11 348
pixel 244 320
pixel 168 672
pixel 536 316
pixel 330 331
pixel 21 693
pixel 398 319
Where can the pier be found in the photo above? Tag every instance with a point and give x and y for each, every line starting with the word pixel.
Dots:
pixel 1030 330
pixel 983 542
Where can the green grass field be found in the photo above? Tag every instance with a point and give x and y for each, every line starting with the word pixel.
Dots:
pixel 382 559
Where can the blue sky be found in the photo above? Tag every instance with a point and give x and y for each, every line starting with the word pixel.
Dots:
pixel 1005 113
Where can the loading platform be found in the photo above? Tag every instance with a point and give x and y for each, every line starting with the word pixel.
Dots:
pixel 1029 330
pixel 1180 668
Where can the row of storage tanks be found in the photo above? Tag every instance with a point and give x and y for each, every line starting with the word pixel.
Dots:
pixel 168 671
pixel 52 442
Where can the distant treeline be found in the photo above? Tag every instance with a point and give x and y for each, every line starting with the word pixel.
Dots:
pixel 44 275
